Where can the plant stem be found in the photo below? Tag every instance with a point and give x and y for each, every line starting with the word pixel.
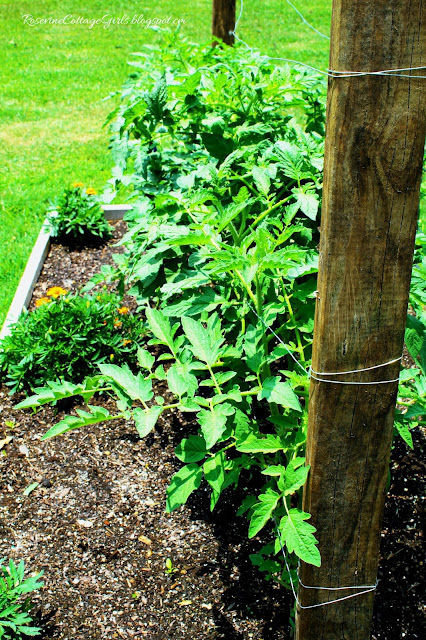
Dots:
pixel 213 377
pixel 240 277
pixel 296 329
pixel 264 214
pixel 251 392
pixel 266 369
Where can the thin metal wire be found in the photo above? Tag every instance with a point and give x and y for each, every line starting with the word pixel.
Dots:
pixel 305 21
pixel 239 17
pixel 330 73
pixel 342 373
pixel 279 339
pixel 310 372
pixel 346 382
pixel 366 588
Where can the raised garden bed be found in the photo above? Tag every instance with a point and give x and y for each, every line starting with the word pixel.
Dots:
pixel 35 263
pixel 96 525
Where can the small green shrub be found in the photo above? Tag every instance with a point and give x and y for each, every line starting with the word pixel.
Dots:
pixel 78 218
pixel 66 337
pixel 15 614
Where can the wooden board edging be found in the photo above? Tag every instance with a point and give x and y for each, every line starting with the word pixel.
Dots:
pixel 35 263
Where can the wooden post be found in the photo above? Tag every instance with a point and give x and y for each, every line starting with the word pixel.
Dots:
pixel 223 20
pixel 373 162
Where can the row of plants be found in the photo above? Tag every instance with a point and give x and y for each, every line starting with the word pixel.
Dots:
pixel 221 153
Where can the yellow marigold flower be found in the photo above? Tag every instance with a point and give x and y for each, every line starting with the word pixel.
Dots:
pixel 111 356
pixel 123 310
pixel 41 301
pixel 126 342
pixel 77 184
pixel 91 191
pixel 55 292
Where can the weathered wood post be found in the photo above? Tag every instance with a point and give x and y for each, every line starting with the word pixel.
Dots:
pixel 373 161
pixel 223 20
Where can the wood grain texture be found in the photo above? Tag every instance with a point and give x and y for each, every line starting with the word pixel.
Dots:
pixel 223 20
pixel 373 161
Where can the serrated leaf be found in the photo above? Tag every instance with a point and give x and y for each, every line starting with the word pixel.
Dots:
pixel 134 386
pixel 203 347
pixel 274 470
pixel 298 536
pixel 242 426
pixel 177 383
pixel 59 390
pixel 145 359
pixel 182 484
pixel 273 390
pixel 214 471
pixel 145 419
pixel 295 476
pixel 283 259
pixel 29 631
pixel 262 180
pixel 197 239
pixel 310 266
pixel 160 327
pixel 291 159
pixel 403 429
pixel 213 422
pixel 414 342
pixel 262 511
pixel 307 201
pixel 188 405
pixel 191 449
pixel 231 211
pixel 253 444
pixel 96 415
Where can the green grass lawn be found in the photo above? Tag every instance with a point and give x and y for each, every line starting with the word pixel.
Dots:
pixel 53 81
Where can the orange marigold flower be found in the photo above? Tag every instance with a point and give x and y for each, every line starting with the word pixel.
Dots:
pixel 123 310
pixel 55 292
pixel 91 191
pixel 126 342
pixel 41 301
pixel 77 184
pixel 117 323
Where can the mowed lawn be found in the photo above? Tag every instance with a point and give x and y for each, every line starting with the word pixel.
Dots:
pixel 54 79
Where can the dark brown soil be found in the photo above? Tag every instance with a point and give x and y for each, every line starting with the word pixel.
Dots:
pixel 96 525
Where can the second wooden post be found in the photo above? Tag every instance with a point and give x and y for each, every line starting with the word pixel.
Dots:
pixel 223 20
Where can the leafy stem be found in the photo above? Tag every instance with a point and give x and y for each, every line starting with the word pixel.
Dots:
pixel 213 377
pixel 264 214
pixel 296 328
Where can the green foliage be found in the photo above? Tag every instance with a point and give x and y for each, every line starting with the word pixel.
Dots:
pixel 412 388
pixel 222 154
pixel 229 442
pixel 78 218
pixel 187 106
pixel 67 337
pixel 15 613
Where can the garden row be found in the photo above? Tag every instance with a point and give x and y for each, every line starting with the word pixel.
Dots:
pixel 221 155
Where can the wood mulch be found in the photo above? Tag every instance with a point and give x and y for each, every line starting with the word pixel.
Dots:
pixel 97 527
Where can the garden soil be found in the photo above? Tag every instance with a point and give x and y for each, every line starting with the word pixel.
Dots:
pixel 117 566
